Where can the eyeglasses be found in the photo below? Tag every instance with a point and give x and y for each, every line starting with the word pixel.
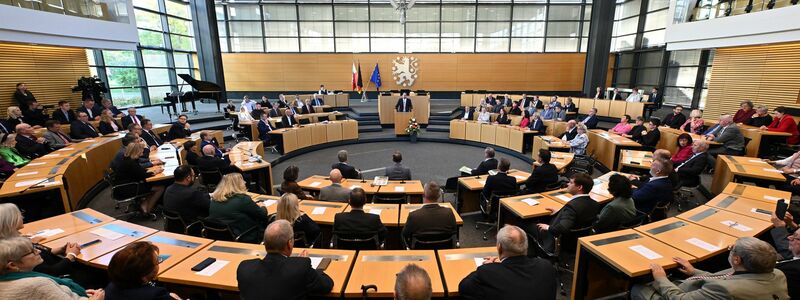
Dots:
pixel 33 251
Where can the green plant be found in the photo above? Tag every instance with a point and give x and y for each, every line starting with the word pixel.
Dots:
pixel 413 127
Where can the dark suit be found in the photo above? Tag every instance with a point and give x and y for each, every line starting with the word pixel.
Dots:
pixel 106 128
pixel 59 116
pixel 430 219
pixel 273 113
pixel 280 277
pixel 263 130
pixel 570 134
pixel 503 119
pixel 652 193
pixel 30 148
pixel 651 138
pixel 516 277
pixel 151 138
pixel 398 172
pixel 217 151
pixel 23 99
pixel 287 123
pixel 4 128
pixel 657 99
pixel 590 122
pixel 469 113
pixel 357 221
pixel 348 171
pixel 94 112
pixel 674 121
pixel 143 292
pixel 187 201
pixel 689 171
pixel 317 102
pixel 542 176
pixel 580 212
pixel 35 117
pixel 211 163
pixel 404 108
pixel 537 125
pixel 501 183
pixel 79 130
pixel 636 133
pixel 485 166
pixel 178 131
pixel 613 96
pixel 787 264
pixel 307 109
pixel 570 107
pixel 128 120
pixel 256 114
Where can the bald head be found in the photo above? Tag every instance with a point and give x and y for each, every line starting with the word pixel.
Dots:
pixel 412 283
pixel 336 176
pixel 725 120
pixel 662 154
pixel 279 237
pixel 511 241
pixel 209 150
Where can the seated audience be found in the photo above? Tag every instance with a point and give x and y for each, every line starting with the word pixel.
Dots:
pixel 784 122
pixel 398 171
pixel 14 117
pixel 231 205
pixel 64 114
pixel 535 123
pixel 684 149
pixel 412 283
pixel 264 128
pixel 549 112
pixel 469 113
pixel 634 96
pixel 91 110
pixel 622 127
pixel 620 210
pixel 34 114
pixel 347 170
pixel 488 163
pixel 760 118
pixel 107 123
pixel 308 108
pixel 275 111
pixel 430 219
pixel 289 184
pixel 502 118
pixel 787 245
pixel 357 222
pixel 745 112
pixel 289 209
pixel 115 112
pixel 191 156
pixel 209 162
pixel 650 137
pixel 635 133
pixel 130 170
pixel 144 160
pixel 512 274
pixel 543 175
pixel 579 212
pixel 752 276
pixel 591 119
pixel 132 272
pixel 182 198
pixel 484 116
pixel 560 114
pixel 335 192
pixel 570 106
pixel 729 135
pixel 151 138
pixel 515 110
pixel 19 257
pixel 207 139
pixel 676 119
pixel 180 129
pixel 28 144
pixel 9 153
pixel 54 137
pixel 578 144
pixel 695 123
pixel 81 129
pixel 288 120
pixel 244 115
pixel 132 118
pixel 571 131
pixel 526 119
pixel 658 190
pixel 256 113
pixel 279 275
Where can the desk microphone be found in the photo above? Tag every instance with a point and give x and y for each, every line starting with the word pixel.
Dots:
pixel 250 153
pixel 37 184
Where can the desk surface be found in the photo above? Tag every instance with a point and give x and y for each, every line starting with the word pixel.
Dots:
pixel 366 185
pixel 389 213
pixel 379 267
pixel 325 211
pixel 618 248
pixel 68 224
pixel 754 192
pixel 458 263
pixel 742 166
pixel 406 209
pixel 524 210
pixel 636 159
pixel 409 187
pixel 562 196
pixel 270 202
pixel 554 142
pixel 475 183
pixel 691 238
pixel 561 159
pixel 758 209
pixel 615 138
pixel 128 232
pixel 725 221
pixel 173 247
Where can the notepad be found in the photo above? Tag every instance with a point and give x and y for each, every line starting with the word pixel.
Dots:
pixel 771 198
pixel 315 184
pixel 482 182
pixel 213 268
pixel 646 252
pixel 36 182
pixel 702 244
pixel 315 261
pixel 736 226
pixel 530 201
pixel 318 211
pixel 107 234
pixel 48 232
pixel 375 211
pixel 478 261
pixel 757 161
pixel 519 177
pixel 772 170
pixel 269 202
pixel 27 173
pixel 399 189
pixel 465 169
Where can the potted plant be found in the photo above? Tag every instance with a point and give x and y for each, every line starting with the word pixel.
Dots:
pixel 413 129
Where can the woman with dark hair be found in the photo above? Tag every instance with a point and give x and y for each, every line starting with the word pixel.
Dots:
pixel 132 271
pixel 620 210
pixel 684 149
pixel 191 156
pixel 525 119
pixel 290 185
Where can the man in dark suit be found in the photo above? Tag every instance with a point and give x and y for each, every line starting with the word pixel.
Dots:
pixel 180 197
pixel 656 98
pixel 64 114
pixel 81 128
pixel 33 114
pixel 728 134
pixel 689 171
pixel 676 118
pixel 257 111
pixel 598 93
pixel 90 109
pixel 356 222
pixel 29 145
pixel 488 163
pixel 538 104
pixel 490 100
pixel 571 132
pixel 658 190
pixel 512 274
pixel 469 113
pixel 615 95
pixel 144 160
pixel 150 137
pixel 288 120
pixel 591 119
pixel 404 104
pixel 210 162
pixel 500 182
pixel 264 128
pixel 180 129
pixel 347 170
pixel 787 244
pixel 397 171
pixel 430 218
pixel 207 139
pixel 544 174
pixel 275 111
pixel 280 275
pixel 317 100
pixel 579 212
pixel 649 138
pixel 131 118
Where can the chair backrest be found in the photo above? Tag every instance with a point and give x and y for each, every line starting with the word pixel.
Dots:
pixel 553 186
pixel 355 241
pixel 390 198
pixel 173 222
pixel 304 121
pixel 216 230
pixel 568 241
pixel 638 220
pixel 210 177
pixel 323 118
pixel 433 241
pixel 451 185
pixel 486 205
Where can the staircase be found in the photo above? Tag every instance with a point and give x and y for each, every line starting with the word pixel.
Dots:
pixel 440 119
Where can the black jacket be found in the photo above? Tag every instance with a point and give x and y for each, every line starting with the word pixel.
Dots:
pixel 280 277
pixel 59 116
pixel 503 119
pixel 23 99
pixel 517 277
pixel 128 120
pixel 501 183
pixel 636 133
pixel 651 138
pixel 570 134
pixel 690 170
pixel 211 163
pixel 178 131
pixel 399 105
pixel 580 212
pixel 674 121
pixel 151 138
pixel 79 130
pixel 187 201
pixel 30 148
pixel 106 128
pixel 143 292
pixel 432 219
pixel 348 171
pixel 791 268
pixel 95 112
pixel 759 121
pixel 357 221
pixel 35 117
pixel 285 122
pixel 542 176
pixel 485 166
pixel 590 122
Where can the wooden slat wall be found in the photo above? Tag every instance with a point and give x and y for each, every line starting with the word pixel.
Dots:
pixel 437 72
pixel 765 74
pixel 49 72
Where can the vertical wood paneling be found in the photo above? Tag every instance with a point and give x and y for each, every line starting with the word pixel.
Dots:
pixel 49 72
pixel 766 75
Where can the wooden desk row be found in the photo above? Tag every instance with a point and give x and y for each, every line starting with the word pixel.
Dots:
pixel 506 136
pixel 277 123
pixel 755 134
pixel 295 138
pixel 735 168
pixel 334 100
pixel 157 128
pixel 411 187
pixel 606 146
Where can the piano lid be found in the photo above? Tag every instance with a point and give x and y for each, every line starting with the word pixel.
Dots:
pixel 199 85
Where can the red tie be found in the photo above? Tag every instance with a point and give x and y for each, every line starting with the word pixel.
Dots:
pixel 135 120
pixel 63 138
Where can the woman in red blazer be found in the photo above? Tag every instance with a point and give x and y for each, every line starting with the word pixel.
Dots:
pixel 783 122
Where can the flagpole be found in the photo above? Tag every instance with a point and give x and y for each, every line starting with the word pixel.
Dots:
pixel 364 94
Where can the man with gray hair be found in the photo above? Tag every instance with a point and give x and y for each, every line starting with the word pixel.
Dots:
pixel 347 170
pixel 430 221
pixel 335 192
pixel 280 275
pixel 752 276
pixel 412 283
pixel 511 275
pixel 727 134
pixel 488 163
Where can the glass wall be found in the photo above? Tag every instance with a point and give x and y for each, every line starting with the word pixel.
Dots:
pixel 166 48
pixel 351 26
pixel 107 10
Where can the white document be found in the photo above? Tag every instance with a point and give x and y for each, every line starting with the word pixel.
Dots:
pixel 702 244
pixel 399 189
pixel 771 198
pixel 478 261
pixel 757 161
pixel 66 149
pixel 564 197
pixel 315 184
pixel 27 173
pixel 736 225
pixel 108 234
pixel 519 177
pixel 375 211
pixel 482 182
pixel 213 268
pixel 492 172
pixel 530 201
pixel 465 169
pixel 35 164
pixel 315 261
pixel 354 186
pixel 36 182
pixel 772 170
pixel 269 202
pixel 318 211
pixel 48 232
pixel 646 252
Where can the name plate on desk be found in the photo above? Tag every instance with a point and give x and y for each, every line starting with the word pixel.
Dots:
pixel 396 258
pixel 616 239
pixel 668 227
pixel 234 250
pixel 702 215
pixel 85 217
pixel 174 242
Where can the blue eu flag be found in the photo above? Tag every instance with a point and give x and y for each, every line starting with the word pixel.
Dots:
pixel 376 78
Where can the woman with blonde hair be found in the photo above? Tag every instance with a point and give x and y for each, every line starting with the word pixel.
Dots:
pixel 107 123
pixel 130 171
pixel 289 210
pixel 244 115
pixel 14 117
pixel 695 122
pixel 231 205
pixel 578 144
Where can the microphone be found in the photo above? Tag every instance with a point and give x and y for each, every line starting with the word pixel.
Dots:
pixel 37 184
pixel 250 153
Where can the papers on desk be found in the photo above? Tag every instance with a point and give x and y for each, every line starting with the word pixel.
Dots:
pixel 646 252
pixel 27 173
pixel 375 211
pixel 315 261
pixel 36 164
pixel 492 172
pixel 269 202
pixel 380 180
pixel 52 155
pixel 318 211
pixel 736 225
pixel 702 244
pixel 399 189
pixel 465 169
pixel 772 170
pixel 66 149
pixel 354 186
pixel 478 261
pixel 757 161
pixel 771 198
pixel 315 184
pixel 519 177
pixel 213 268
pixel 48 232
pixel 107 234
pixel 530 201
pixel 564 197
pixel 35 182
pixel 482 182
pixel 600 190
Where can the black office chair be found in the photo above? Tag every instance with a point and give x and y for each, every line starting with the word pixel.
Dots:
pixel 323 119
pixel 356 241
pixel 304 121
pixel 210 178
pixel 300 238
pixel 563 244
pixel 128 195
pixel 390 198
pixel 489 210
pixel 451 187
pixel 637 221
pixel 432 241
pixel 174 222
pixel 216 230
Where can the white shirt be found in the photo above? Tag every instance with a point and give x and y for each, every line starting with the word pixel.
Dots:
pixel 245 117
pixel 249 105
pixel 634 97
pixel 578 195
pixel 484 117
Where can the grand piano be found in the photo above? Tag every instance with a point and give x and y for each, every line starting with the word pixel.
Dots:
pixel 200 90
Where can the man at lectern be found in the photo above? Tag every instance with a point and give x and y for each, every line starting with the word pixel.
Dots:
pixel 404 104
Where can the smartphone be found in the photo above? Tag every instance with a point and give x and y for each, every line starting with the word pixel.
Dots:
pixel 780 208
pixel 204 264
pixel 87 244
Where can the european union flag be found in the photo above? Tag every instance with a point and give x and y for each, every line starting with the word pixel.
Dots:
pixel 376 78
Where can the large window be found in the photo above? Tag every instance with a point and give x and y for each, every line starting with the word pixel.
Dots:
pixel 166 49
pixel 373 26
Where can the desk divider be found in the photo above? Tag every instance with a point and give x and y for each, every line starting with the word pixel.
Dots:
pixel 668 227
pixel 617 239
